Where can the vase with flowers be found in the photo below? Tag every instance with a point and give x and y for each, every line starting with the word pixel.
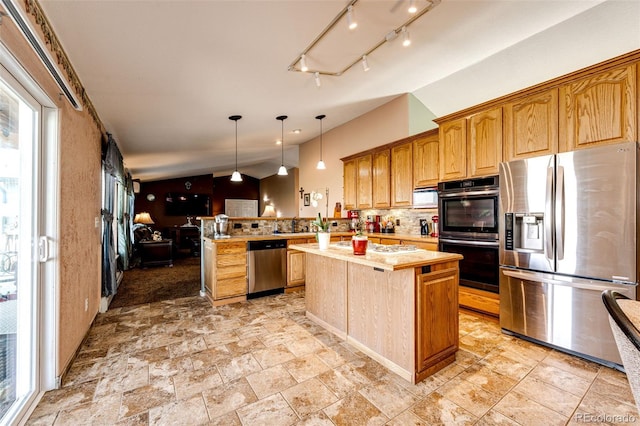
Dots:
pixel 322 232
pixel 359 241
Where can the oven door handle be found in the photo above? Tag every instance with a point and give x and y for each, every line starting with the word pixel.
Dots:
pixel 471 243
pixel 466 194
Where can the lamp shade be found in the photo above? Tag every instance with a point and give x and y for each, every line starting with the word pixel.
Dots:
pixel 269 211
pixel 144 218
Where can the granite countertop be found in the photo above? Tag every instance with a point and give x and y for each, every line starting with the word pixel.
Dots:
pixel 294 235
pixel 385 261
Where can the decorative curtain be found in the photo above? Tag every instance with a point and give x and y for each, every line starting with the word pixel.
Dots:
pixel 113 171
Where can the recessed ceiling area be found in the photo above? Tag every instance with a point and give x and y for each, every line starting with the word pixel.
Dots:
pixel 164 76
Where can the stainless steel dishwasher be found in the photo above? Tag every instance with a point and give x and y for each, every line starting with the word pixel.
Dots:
pixel 266 267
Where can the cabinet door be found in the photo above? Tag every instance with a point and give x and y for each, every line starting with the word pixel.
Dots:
pixel 436 317
pixel 452 150
pixel 485 142
pixel 402 175
pixel 381 179
pixel 531 126
pixel 363 191
pixel 295 268
pixel 350 184
pixel 425 162
pixel 600 109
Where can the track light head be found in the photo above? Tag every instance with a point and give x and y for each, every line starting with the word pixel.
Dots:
pixel 303 63
pixel 412 7
pixel 406 40
pixel 316 77
pixel 365 63
pixel 351 20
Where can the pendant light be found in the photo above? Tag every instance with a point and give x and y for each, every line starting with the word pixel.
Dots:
pixel 282 171
pixel 321 165
pixel 236 176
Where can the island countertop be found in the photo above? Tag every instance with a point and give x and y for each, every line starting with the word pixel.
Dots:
pixel 384 261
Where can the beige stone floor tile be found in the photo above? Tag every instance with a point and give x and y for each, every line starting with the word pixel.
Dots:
pixel 270 381
pixel 506 366
pixel 46 420
pixel 369 368
pixel 527 349
pixel 355 410
pixel 305 367
pixel 614 384
pixel 274 355
pixel 528 412
pixel 240 366
pixel 245 345
pixel 330 356
pixel 343 380
pixel 315 419
pixel 220 338
pixel 388 397
pixel 136 401
pixel 102 412
pixel 574 365
pixel 229 419
pixel 476 345
pixel 93 370
pixel 151 355
pixel 66 397
pixel 437 410
pixel 420 389
pixel 252 330
pixel 407 418
pixel 272 410
pixel 194 382
pixel 550 396
pixel 169 367
pixel 207 359
pixel 487 379
pixel 601 406
pixel 141 419
pixel 228 397
pixel 187 347
pixel 305 344
pixel 309 397
pixel 560 378
pixel 191 411
pixel 493 418
pixel 468 395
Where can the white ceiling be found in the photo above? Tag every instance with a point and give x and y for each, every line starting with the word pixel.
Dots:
pixel 165 75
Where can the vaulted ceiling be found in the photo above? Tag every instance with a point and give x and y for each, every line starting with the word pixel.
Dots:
pixel 165 75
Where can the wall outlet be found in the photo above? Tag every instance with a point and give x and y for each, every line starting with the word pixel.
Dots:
pixel 96 222
pixel 86 304
pixel 397 222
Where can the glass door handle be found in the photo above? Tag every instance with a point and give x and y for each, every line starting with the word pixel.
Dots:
pixel 43 249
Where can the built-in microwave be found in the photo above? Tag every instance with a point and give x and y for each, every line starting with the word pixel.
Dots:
pixel 425 198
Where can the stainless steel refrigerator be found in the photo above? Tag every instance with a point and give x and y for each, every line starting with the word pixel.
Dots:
pixel 568 231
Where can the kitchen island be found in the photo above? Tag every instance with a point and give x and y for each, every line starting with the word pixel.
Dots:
pixel 401 309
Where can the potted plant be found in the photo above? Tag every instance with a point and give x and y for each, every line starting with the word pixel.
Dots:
pixel 359 242
pixel 322 232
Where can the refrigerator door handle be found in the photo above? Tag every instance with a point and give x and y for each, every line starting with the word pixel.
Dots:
pixel 532 276
pixel 548 218
pixel 560 213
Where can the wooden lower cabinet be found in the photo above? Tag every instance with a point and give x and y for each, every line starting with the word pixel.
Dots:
pixel 225 271
pixel 431 246
pixel 436 319
pixel 295 269
pixel 480 301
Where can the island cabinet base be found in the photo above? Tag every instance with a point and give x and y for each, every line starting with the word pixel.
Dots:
pixel 405 319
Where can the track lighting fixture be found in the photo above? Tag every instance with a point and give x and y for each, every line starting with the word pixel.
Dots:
pixel 316 76
pixel 282 171
pixel 412 6
pixel 351 20
pixel 406 40
pixel 321 165
pixel 236 176
pixel 365 63
pixel 303 63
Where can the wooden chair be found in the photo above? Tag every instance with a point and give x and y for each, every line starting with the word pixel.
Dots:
pixel 624 317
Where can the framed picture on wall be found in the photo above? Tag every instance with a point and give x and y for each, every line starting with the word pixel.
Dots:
pixel 307 199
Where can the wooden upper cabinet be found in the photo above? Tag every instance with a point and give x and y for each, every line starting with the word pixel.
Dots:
pixel 402 175
pixel 363 192
pixel 350 171
pixel 452 149
pixel 485 142
pixel 381 179
pixel 425 161
pixel 599 109
pixel 531 126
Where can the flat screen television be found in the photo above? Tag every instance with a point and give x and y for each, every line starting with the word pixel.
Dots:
pixel 183 204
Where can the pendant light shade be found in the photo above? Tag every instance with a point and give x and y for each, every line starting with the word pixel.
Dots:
pixel 236 176
pixel 321 165
pixel 282 171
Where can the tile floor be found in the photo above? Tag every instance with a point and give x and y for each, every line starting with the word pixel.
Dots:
pixel 262 362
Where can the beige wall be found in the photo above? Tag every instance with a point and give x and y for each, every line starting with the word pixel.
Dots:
pixel 397 119
pixel 282 192
pixel 80 198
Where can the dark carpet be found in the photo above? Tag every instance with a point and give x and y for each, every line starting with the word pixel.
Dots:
pixel 147 285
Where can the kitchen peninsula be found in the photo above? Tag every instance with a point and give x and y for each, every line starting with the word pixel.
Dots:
pixel 400 309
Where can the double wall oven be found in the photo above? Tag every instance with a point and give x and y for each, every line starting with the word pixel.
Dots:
pixel 468 215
